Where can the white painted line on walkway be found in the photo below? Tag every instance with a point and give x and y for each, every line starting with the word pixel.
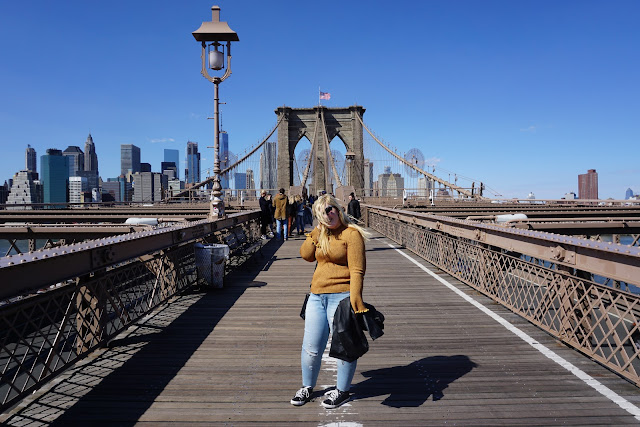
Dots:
pixel 586 378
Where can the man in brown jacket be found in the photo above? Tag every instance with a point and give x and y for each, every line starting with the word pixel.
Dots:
pixel 280 202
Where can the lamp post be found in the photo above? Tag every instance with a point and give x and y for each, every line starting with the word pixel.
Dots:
pixel 210 35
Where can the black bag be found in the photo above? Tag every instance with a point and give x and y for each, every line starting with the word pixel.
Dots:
pixel 304 305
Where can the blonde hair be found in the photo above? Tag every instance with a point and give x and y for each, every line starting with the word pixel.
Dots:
pixel 318 211
pixel 297 198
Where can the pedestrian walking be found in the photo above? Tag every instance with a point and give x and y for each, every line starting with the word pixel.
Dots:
pixel 280 203
pixel 353 209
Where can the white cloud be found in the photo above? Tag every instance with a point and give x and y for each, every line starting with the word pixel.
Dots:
pixel 531 129
pixel 160 140
pixel 432 161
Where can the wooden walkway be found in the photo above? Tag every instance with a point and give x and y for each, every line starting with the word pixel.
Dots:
pixel 232 357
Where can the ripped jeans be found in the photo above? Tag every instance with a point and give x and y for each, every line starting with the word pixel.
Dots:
pixel 317 327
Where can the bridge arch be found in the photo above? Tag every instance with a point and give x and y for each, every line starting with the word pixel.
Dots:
pixel 297 123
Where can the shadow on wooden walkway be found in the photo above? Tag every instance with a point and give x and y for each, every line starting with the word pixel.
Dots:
pixel 232 357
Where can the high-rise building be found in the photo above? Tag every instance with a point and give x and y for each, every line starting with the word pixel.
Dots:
pixel 54 175
pixel 171 155
pixel 149 186
pixel 129 159
pixel 224 158
pixel 588 185
pixel 240 179
pixel 268 158
pixel 25 189
pixel 90 156
pixel 4 193
pixel 391 184
pixel 192 171
pixel 76 159
pixel 170 169
pixel 251 183
pixel 424 186
pixel 112 187
pixel 628 194
pixel 175 186
pixel 125 189
pixel 368 177
pixel 77 189
pixel 31 162
pixel 145 167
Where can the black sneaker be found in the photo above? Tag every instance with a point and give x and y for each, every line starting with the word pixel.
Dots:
pixel 302 396
pixel 336 398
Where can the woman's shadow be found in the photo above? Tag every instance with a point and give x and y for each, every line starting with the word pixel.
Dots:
pixel 412 385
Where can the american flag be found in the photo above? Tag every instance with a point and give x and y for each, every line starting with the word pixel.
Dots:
pixel 325 95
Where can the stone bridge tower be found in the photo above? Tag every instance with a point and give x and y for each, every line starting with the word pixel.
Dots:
pixel 300 122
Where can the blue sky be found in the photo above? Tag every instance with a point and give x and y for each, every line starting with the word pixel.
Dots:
pixel 522 95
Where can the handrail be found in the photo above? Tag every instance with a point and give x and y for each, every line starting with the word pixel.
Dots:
pixel 548 279
pixel 89 293
pixel 618 262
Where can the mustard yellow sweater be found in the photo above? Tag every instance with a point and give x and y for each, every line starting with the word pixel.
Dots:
pixel 342 269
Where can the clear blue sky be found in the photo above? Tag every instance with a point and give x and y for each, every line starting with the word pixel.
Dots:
pixel 523 95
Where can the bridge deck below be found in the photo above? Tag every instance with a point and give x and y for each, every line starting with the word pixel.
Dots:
pixel 232 356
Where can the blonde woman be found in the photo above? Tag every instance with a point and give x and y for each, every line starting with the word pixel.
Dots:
pixel 337 244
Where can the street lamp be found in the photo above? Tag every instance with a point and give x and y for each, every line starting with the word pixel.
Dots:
pixel 210 35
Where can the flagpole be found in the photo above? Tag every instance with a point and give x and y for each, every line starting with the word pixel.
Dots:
pixel 319 99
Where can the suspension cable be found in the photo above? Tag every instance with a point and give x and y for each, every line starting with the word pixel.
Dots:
pixel 210 179
pixel 313 148
pixel 454 187
pixel 329 155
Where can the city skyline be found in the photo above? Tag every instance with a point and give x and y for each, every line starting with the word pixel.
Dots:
pixel 523 96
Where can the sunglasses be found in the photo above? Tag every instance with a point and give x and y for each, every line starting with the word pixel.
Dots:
pixel 328 209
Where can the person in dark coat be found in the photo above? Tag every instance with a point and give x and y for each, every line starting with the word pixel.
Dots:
pixel 265 214
pixel 353 209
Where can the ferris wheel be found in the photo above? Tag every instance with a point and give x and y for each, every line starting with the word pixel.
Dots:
pixel 415 158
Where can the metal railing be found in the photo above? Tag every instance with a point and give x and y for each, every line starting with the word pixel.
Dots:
pixel 58 305
pixel 550 280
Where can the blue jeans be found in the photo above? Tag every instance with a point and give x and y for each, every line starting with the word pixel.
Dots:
pixel 300 223
pixel 318 325
pixel 280 223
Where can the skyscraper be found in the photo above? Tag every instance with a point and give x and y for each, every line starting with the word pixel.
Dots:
pixel 90 156
pixel 30 159
pixel 54 175
pixel 76 159
pixel 170 169
pixel 588 185
pixel 268 166
pixel 240 180
pixel 251 183
pixel 628 194
pixel 77 189
pixel 192 171
pixel 224 158
pixel 171 155
pixel 25 189
pixel 390 184
pixel 368 177
pixel 149 186
pixel 129 159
